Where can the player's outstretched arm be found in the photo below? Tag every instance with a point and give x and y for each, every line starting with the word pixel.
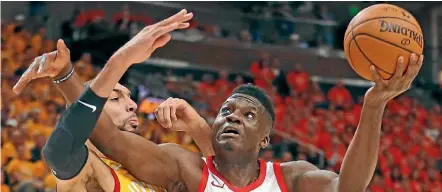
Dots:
pixel 178 115
pixel 72 165
pixel 361 157
pixel 141 157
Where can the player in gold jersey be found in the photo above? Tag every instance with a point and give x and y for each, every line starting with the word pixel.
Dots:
pixel 98 173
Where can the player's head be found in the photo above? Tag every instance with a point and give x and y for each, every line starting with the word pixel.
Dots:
pixel 244 121
pixel 121 109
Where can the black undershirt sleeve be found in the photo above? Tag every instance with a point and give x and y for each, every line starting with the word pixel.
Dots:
pixel 65 151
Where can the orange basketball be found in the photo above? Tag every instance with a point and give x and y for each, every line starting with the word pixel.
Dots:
pixel 378 35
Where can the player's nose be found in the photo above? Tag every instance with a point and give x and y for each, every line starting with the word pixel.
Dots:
pixel 233 118
pixel 131 106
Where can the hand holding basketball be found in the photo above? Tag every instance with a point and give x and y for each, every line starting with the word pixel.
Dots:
pixel 385 90
pixel 377 36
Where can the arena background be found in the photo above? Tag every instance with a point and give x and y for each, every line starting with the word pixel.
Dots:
pixel 293 50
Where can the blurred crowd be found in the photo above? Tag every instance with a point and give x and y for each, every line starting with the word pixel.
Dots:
pixel 410 148
pixel 283 13
pixel 28 119
pixel 92 23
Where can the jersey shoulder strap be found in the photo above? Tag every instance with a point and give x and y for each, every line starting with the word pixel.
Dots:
pixel 279 177
pixel 204 177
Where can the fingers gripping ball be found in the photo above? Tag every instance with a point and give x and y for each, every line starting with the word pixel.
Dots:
pixel 378 35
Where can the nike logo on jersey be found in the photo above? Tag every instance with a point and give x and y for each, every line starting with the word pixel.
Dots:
pixel 93 107
pixel 217 185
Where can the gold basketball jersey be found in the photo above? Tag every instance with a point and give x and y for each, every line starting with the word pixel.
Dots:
pixel 125 182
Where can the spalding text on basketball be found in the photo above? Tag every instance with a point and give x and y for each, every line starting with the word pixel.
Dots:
pixel 396 28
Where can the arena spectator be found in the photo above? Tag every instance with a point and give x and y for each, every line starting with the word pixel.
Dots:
pixel 187 89
pixel 16 139
pixel 223 79
pixel 8 31
pixel 20 168
pixel 339 95
pixel 123 20
pixel 37 40
pixel 377 183
pixel 325 33
pixel 84 67
pixel 208 86
pixel 18 40
pixel 244 36
pixel 256 66
pixel 239 80
pixel 267 154
pixel 298 79
pixel 286 157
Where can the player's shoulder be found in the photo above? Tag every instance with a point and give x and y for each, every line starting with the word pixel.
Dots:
pixel 296 172
pixel 296 168
pixel 293 169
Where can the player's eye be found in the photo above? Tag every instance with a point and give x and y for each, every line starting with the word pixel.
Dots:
pixel 250 116
pixel 115 99
pixel 225 111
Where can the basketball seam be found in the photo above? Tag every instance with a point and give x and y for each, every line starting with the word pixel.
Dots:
pixel 362 22
pixel 349 55
pixel 385 41
pixel 351 60
pixel 362 52
pixel 374 37
pixel 349 48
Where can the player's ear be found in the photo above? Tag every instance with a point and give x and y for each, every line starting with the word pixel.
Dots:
pixel 265 142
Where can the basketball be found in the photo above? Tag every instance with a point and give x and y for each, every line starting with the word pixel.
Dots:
pixel 378 35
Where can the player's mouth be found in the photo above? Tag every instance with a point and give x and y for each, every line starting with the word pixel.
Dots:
pixel 230 131
pixel 133 120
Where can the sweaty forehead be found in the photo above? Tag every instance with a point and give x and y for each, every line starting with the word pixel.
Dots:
pixel 246 100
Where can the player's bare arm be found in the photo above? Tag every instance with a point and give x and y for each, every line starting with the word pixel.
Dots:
pixel 132 149
pixel 142 158
pixel 361 157
pixel 178 115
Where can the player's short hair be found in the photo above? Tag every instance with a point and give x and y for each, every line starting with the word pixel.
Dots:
pixel 259 94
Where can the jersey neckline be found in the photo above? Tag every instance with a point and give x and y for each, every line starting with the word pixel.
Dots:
pixel 255 184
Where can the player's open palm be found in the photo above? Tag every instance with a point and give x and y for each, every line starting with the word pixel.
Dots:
pixel 401 81
pixel 142 45
pixel 54 65
pixel 177 114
